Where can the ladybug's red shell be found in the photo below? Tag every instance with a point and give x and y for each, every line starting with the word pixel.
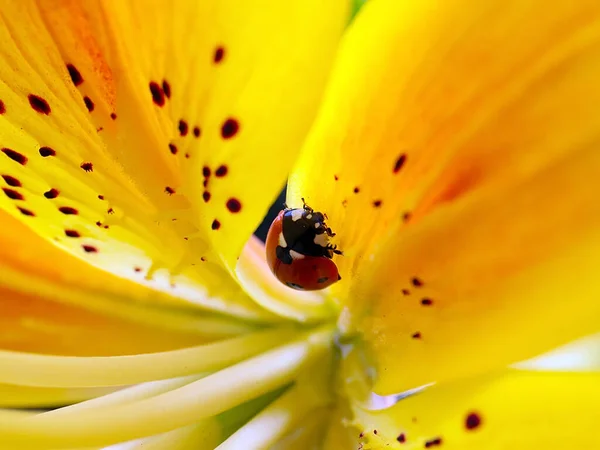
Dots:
pixel 301 263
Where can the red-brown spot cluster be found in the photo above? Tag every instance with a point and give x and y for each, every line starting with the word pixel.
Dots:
pixel 87 166
pixel 68 210
pixel 234 205
pixel 229 128
pixel 406 217
pixel 72 233
pixel 15 156
pixel 101 197
pixel 169 190
pixel 405 292
pixel 197 132
pixel 89 104
pixel 426 302
pixel 26 212
pixel 113 116
pixel 472 421
pixel 416 335
pixel 89 248
pixel 399 163
pixel 336 178
pixel 75 75
pixel 356 190
pixel 39 104
pixel 110 211
pixel 158 95
pixel 401 438
pixel 219 54
pixel 11 181
pixel 12 194
pixel 47 151
pixel 52 193
pixel 173 149
pixel 215 224
pixel 137 269
pixel 435 442
pixel 183 127
pixel 206 196
pixel 221 171
pixel 2 107
pixel 377 203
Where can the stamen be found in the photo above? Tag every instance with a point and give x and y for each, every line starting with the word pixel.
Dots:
pixel 207 397
pixel 72 371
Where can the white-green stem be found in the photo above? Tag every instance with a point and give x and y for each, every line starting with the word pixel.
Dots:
pixel 75 371
pixel 180 407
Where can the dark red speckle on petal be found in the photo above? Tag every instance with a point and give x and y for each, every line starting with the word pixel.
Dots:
pixel 89 249
pixel 89 104
pixel 183 128
pixel 12 194
pixel 416 335
pixel 219 54
pixel 433 442
pixel 215 224
pixel 234 205
pixel 206 196
pixel 11 181
pixel 406 217
pixel 87 166
pixel 401 438
pixel 377 203
pixel 416 282
pixel 137 269
pixel 69 211
pixel 229 128
pixel 113 116
pixel 173 149
pixel 76 77
pixel 472 421
pixel 405 292
pixel 26 212
pixel 2 107
pixel 426 302
pixel 221 171
pixel 206 171
pixel 336 178
pixel 52 193
pixel 197 132
pixel 158 96
pixel 101 197
pixel 47 151
pixel 15 156
pixel 72 233
pixel 166 88
pixel 399 163
pixel 356 190
pixel 39 104
pixel 169 190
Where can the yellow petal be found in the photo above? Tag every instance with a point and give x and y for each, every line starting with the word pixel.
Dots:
pixel 35 397
pixel 110 112
pixel 507 409
pixel 430 100
pixel 481 121
pixel 493 278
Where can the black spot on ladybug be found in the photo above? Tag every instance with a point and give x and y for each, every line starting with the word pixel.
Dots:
pixel 472 421
pixel 399 163
pixel 294 285
pixel 322 280
pixel 433 442
pixel 283 255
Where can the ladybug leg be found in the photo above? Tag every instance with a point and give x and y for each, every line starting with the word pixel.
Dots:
pixel 306 207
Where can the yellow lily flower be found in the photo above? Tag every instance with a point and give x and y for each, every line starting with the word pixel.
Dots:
pixel 451 145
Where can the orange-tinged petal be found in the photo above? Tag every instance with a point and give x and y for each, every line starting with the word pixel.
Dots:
pixel 501 410
pixel 430 100
pixel 493 278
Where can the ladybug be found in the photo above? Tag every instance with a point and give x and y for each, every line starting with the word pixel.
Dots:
pixel 298 249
